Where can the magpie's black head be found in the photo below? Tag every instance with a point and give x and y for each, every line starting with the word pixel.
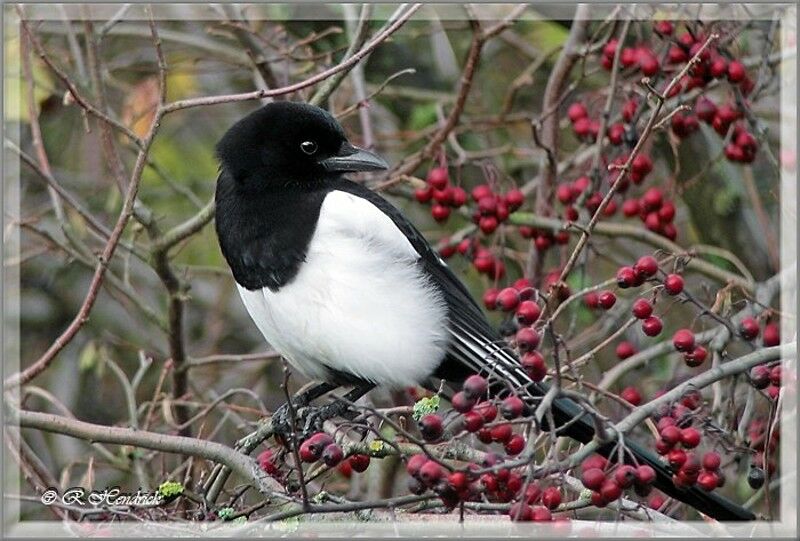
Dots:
pixel 286 142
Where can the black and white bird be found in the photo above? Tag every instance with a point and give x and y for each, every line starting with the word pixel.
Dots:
pixel 343 286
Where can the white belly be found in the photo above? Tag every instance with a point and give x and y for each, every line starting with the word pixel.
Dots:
pixel 359 303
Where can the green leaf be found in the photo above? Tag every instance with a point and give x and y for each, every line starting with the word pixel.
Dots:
pixel 225 513
pixel 422 115
pixel 88 357
pixel 426 406
pixel 170 489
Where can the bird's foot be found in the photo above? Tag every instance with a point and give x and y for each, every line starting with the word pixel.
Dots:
pixel 307 419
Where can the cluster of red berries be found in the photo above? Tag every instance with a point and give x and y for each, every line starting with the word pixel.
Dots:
pixel 492 209
pixel 654 210
pixel 526 509
pixel 445 197
pixel 321 446
pixel 693 354
pixel 767 379
pixel 743 145
pixel 584 127
pixel 641 58
pixel 607 484
pixel 677 445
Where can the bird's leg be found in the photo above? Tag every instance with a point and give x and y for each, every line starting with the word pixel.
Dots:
pixel 314 417
pixel 282 419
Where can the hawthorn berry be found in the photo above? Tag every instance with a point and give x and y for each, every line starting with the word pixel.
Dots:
pixel 512 407
pixel 508 299
pixel 749 328
pixel 673 284
pixel 502 433
pixel 671 434
pixel 528 312
pixel 711 461
pixel 683 340
pixel 487 410
pixel 463 403
pixel 534 365
pixel 610 490
pixel 652 326
pixel 332 455
pixel 676 458
pixel 626 277
pixel 736 71
pixel 625 475
pixel 606 299
pixel 359 463
pixel 514 445
pixel 430 472
pixel 266 461
pixel 707 480
pixel 696 357
pixel 440 213
pixel 591 300
pixel 690 437
pixel 514 199
pixel 414 463
pixel 646 265
pixel 551 497
pixel 490 298
pixel 631 395
pixel 645 474
pixel 431 427
pixel 473 421
pixel 625 350
pixel 642 309
pixel 475 386
pixel 527 339
pixel 593 478
pixel 311 449
pixel 576 111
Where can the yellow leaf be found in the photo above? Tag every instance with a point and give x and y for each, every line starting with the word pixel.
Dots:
pixel 140 106
pixel 16 91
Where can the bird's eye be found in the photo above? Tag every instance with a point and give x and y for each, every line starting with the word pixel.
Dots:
pixel 309 147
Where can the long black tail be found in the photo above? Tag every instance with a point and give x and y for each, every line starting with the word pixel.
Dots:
pixel 566 411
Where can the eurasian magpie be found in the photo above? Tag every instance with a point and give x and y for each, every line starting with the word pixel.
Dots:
pixel 344 286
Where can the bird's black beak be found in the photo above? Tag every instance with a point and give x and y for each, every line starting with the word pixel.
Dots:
pixel 350 159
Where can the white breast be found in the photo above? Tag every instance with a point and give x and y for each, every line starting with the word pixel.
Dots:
pixel 359 303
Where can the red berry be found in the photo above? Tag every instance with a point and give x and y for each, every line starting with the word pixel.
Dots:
pixel 332 455
pixel 462 403
pixel 431 427
pixel 656 502
pixel 718 68
pixel 775 375
pixel 749 328
pixel 440 213
pixel 541 514
pixel 648 63
pixel 266 461
pixel 630 207
pixel 515 445
pixel 551 497
pixel 642 309
pixel 760 376
pixel 458 197
pixel 683 340
pixel 642 164
pixel 359 463
pixel 485 435
pixel 423 195
pixel 430 473
pixel 696 357
pixel 631 394
pixel 473 421
pixel 591 300
pixel 616 134
pixel 652 326
pixel 645 474
pixel 628 56
pixel 625 350
pixel 598 500
pixel 490 298
pixel 707 481
pixel 610 48
pixel 487 410
pixel 480 191
pixel 646 265
pixel 705 109
pixel 736 71
pixel 652 200
pixel 673 284
pixel 527 339
pixel 625 475
pixel 711 461
pixel 576 111
pixel 514 199
pixel 626 277
pixel 475 386
pixel 508 299
pixel 528 312
pixel 502 433
pixel 564 194
pixel 520 512
pixel 593 478
pixel 594 461
pixel 690 437
pixel 488 224
pixel 582 127
pixel 512 407
pixel 664 28
pixel 676 458
pixel 311 449
pixel 534 365
pixel 671 434
pixel 458 480
pixel 414 463
pixel 438 178
pixel 606 299
pixel 610 490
